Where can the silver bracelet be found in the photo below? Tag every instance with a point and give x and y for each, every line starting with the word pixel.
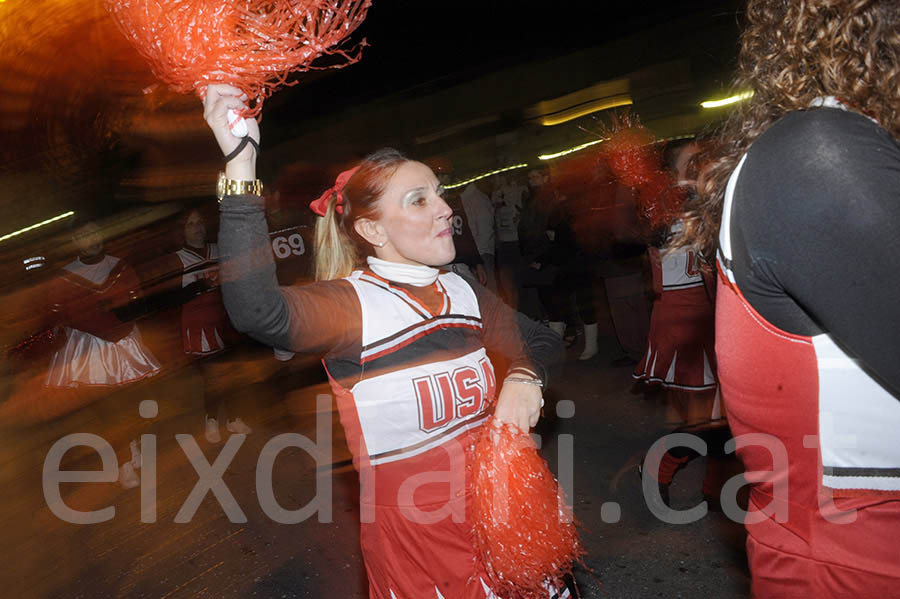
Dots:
pixel 521 379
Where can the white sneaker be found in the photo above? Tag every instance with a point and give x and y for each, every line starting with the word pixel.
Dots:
pixel 238 426
pixel 590 342
pixel 212 431
pixel 135 455
pixel 128 478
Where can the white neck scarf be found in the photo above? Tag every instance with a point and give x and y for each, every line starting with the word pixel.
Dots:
pixel 832 102
pixel 827 102
pixel 409 274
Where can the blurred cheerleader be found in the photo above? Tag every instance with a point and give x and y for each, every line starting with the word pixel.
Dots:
pixel 680 355
pixel 95 301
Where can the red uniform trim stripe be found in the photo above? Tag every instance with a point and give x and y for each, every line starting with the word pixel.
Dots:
pixel 114 274
pixel 406 295
pixel 759 318
pixel 424 332
pixel 353 431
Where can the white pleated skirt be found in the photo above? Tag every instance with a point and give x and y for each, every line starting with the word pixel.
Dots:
pixel 89 360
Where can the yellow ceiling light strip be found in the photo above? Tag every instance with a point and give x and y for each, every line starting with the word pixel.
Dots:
pixel 600 96
pixel 601 140
pixel 591 107
pixel 558 155
pixel 37 225
pixel 483 175
pixel 571 150
pixel 726 101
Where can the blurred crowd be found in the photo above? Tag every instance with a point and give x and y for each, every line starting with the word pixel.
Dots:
pixel 782 236
pixel 115 308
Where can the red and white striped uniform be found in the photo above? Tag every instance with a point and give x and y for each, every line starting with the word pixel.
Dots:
pixel 830 431
pixel 680 347
pixel 205 328
pixel 100 349
pixel 411 405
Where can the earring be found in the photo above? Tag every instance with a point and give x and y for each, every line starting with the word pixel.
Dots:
pixel 379 245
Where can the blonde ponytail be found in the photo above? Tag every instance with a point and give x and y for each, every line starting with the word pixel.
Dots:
pixel 336 254
pixel 339 248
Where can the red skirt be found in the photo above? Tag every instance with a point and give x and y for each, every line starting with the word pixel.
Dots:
pixel 681 346
pixel 406 558
pixel 417 537
pixel 205 326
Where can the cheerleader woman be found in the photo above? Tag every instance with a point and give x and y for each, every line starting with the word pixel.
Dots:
pixel 95 301
pixel 680 355
pixel 206 333
pixel 804 209
pixel 405 348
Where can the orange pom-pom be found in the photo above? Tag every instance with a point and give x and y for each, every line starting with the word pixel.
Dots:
pixel 632 155
pixel 251 44
pixel 525 533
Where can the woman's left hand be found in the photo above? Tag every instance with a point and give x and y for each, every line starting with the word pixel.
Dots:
pixel 519 404
pixel 218 99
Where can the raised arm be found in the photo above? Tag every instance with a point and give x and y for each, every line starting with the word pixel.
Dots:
pixel 315 318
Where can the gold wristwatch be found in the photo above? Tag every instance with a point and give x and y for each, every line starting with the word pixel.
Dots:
pixel 231 187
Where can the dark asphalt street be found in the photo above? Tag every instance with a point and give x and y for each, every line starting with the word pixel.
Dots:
pixel 630 552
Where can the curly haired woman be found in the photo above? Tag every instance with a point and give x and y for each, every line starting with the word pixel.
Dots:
pixel 804 209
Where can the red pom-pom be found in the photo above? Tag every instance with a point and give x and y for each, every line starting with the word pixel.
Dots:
pixel 525 533
pixel 251 44
pixel 632 155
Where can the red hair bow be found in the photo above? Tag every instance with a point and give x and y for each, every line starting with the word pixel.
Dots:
pixel 320 206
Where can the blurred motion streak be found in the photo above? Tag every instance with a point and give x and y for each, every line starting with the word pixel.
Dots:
pixel 487 174
pixel 37 225
pixel 74 109
pixel 726 101
pixel 601 96
pixel 570 150
pixel 590 108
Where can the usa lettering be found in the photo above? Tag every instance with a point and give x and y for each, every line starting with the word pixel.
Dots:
pixel 449 396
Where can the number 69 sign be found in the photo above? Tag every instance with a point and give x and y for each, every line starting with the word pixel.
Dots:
pixel 283 246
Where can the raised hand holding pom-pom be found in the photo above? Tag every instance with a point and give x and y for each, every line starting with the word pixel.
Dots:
pixel 218 101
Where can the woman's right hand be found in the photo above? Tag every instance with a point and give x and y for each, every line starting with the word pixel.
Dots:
pixel 219 98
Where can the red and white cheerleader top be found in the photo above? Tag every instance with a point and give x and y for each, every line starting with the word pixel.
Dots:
pixel 422 378
pixel 205 328
pixel 807 346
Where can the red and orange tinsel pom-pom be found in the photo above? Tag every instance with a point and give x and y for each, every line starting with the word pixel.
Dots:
pixel 525 534
pixel 632 154
pixel 251 44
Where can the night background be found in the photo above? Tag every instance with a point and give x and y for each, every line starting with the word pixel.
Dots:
pixel 450 79
pixel 471 85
